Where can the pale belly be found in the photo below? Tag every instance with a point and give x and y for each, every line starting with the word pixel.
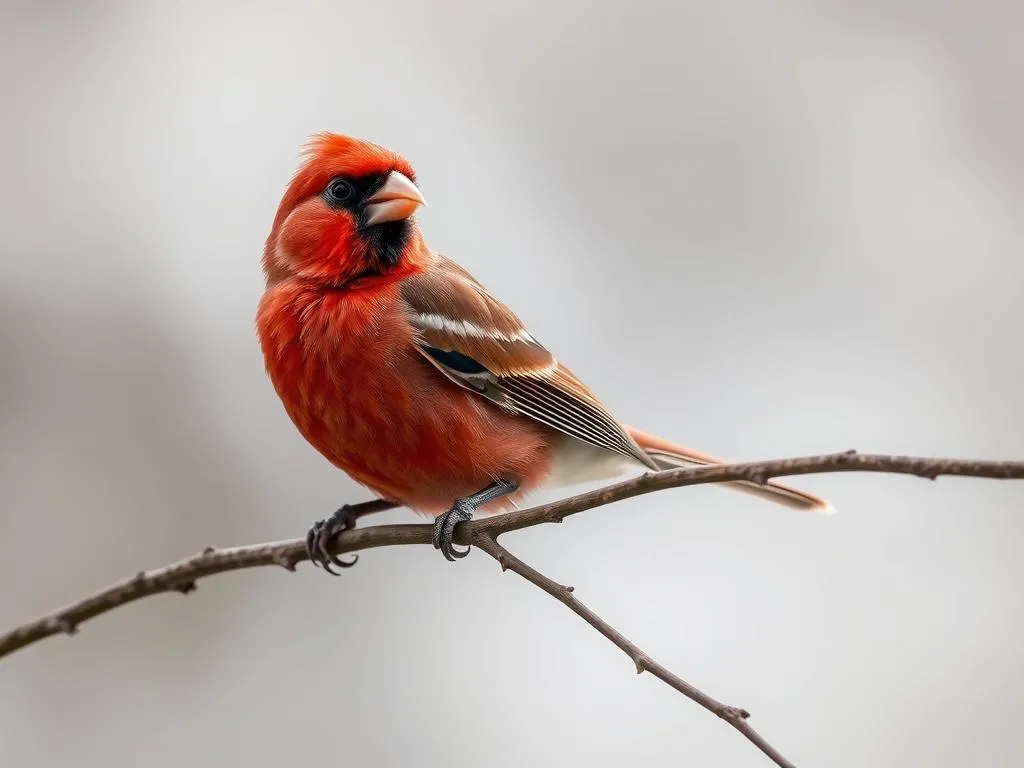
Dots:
pixel 574 462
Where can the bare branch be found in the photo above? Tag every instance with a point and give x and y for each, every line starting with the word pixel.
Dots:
pixel 182 576
pixel 735 716
pixel 755 471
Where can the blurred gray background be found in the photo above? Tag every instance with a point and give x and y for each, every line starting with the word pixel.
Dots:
pixel 762 228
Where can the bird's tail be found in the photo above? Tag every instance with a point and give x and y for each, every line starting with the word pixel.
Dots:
pixel 668 455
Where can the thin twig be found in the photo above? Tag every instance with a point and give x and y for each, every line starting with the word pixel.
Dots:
pixel 736 717
pixel 182 576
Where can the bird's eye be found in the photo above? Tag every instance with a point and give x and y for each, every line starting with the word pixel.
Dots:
pixel 340 191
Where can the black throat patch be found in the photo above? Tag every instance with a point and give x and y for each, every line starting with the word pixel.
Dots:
pixel 386 242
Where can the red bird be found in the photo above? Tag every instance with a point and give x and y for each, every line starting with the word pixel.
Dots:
pixel 409 375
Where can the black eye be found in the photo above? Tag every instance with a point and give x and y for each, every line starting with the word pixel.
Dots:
pixel 340 191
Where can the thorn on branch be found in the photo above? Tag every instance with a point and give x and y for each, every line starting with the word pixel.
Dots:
pixel 188 586
pixel 641 662
pixel 62 624
pixel 733 714
pixel 284 561
pixel 208 550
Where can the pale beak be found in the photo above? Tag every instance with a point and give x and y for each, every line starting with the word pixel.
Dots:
pixel 398 199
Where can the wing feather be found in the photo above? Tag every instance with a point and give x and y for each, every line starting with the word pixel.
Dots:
pixel 572 416
pixel 479 343
pixel 526 398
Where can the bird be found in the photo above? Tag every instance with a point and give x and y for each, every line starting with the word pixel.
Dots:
pixel 409 375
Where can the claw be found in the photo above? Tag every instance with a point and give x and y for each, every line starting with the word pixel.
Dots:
pixel 461 511
pixel 311 541
pixel 327 558
pixel 321 533
pixel 444 530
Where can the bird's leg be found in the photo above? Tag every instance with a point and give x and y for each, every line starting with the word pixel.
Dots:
pixel 343 519
pixel 461 511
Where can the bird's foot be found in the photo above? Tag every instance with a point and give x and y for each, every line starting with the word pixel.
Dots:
pixel 320 535
pixel 444 529
pixel 461 511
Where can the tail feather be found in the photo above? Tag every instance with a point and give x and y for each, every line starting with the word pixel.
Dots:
pixel 669 455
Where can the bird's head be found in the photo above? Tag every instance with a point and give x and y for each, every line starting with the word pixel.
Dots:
pixel 346 214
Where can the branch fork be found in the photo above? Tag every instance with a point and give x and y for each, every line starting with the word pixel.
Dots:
pixel 484 533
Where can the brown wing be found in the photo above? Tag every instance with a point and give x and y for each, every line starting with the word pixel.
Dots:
pixel 480 344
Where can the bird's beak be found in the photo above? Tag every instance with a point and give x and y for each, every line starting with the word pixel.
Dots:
pixel 398 199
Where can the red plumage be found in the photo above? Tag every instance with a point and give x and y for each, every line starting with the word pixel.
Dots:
pixel 406 373
pixel 346 368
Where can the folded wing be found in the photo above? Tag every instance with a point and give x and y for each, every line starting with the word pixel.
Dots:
pixel 480 344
